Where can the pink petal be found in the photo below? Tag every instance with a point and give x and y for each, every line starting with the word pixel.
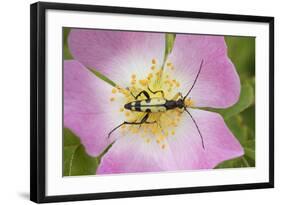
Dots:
pixel 184 151
pixel 116 53
pixel 131 154
pixel 219 142
pixel 218 84
pixel 88 111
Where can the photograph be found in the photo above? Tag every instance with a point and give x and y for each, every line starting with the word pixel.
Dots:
pixel 153 102
pixel 134 102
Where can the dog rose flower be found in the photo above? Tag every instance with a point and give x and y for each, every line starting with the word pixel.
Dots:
pixel 135 62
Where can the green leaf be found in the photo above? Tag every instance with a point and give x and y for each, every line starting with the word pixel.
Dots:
pixel 81 163
pixel 66 52
pixel 241 50
pixel 246 99
pixel 69 138
pixel 249 153
pixel 169 43
pixel 249 149
pixel 76 160
pixel 234 163
pixel 102 77
pixel 249 120
pixel 238 129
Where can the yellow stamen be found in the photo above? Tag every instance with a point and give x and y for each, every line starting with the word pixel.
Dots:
pixel 112 99
pixel 143 82
pixel 173 123
pixel 123 91
pixel 154 130
pixel 188 102
pixel 143 135
pixel 114 90
pixel 153 61
pixel 169 64
pixel 121 109
pixel 161 137
pixel 135 130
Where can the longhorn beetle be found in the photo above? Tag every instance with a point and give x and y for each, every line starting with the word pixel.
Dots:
pixel 156 104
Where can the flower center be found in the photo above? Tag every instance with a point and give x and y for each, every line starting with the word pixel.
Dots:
pixel 165 122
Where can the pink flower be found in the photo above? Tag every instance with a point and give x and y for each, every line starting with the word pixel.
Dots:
pixel 133 60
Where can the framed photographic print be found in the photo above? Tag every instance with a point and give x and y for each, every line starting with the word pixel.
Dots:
pixel 129 102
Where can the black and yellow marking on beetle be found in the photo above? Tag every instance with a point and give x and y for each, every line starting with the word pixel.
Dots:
pixel 157 104
pixel 148 105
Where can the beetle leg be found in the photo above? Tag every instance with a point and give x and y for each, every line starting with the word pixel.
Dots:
pixel 157 91
pixel 142 92
pixel 143 120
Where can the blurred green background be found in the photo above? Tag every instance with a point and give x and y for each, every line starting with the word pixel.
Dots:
pixel 240 118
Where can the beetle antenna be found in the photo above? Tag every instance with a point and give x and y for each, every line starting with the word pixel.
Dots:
pixel 202 140
pixel 109 134
pixel 194 80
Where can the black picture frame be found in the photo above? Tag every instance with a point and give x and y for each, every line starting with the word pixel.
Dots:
pixel 38 100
